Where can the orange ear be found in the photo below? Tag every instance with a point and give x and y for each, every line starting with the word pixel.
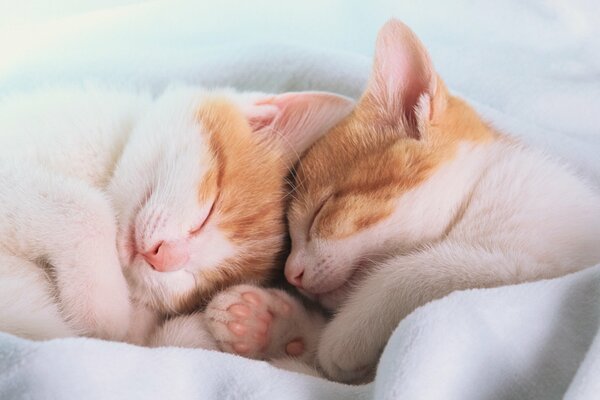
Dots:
pixel 402 75
pixel 298 119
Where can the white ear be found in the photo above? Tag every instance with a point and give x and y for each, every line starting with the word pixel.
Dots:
pixel 403 79
pixel 298 119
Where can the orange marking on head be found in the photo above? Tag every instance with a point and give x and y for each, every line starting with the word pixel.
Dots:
pixel 367 162
pixel 247 179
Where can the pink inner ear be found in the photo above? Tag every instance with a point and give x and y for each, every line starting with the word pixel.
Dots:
pixel 261 114
pixel 402 71
pixel 297 119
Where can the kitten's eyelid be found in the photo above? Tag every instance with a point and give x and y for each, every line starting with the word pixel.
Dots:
pixel 199 227
pixel 318 211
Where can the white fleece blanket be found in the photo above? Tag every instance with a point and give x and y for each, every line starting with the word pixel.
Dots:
pixel 531 67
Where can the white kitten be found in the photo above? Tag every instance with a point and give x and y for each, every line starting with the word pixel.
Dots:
pixel 177 197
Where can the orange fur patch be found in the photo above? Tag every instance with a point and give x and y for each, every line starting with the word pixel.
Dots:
pixel 367 161
pixel 247 177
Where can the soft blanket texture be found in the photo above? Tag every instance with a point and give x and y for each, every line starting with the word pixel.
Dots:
pixel 533 341
pixel 531 67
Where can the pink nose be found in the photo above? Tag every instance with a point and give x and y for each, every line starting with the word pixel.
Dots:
pixel 294 274
pixel 168 256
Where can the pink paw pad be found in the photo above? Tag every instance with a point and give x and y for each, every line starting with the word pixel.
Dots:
pixel 295 348
pixel 253 323
pixel 252 298
pixel 239 310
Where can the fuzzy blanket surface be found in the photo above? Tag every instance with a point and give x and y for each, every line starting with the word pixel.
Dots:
pixel 530 67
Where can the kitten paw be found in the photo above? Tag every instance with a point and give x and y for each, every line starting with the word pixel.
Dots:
pixel 100 307
pixel 98 315
pixel 262 323
pixel 348 352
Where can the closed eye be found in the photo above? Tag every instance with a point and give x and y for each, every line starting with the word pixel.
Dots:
pixel 317 212
pixel 198 228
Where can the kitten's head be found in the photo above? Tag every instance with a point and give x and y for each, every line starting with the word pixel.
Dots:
pixel 200 189
pixel 351 204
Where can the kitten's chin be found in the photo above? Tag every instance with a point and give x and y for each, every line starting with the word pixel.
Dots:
pixel 333 299
pixel 165 292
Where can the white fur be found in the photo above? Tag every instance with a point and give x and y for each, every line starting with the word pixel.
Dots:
pixel 58 148
pixel 72 159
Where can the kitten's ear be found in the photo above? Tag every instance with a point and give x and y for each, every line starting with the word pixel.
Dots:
pixel 404 86
pixel 298 119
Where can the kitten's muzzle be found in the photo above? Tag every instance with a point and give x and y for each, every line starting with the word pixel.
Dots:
pixel 168 256
pixel 294 275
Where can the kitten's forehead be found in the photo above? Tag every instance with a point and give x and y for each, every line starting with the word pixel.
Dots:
pixel 344 160
pixel 367 166
pixel 246 177
pixel 245 167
